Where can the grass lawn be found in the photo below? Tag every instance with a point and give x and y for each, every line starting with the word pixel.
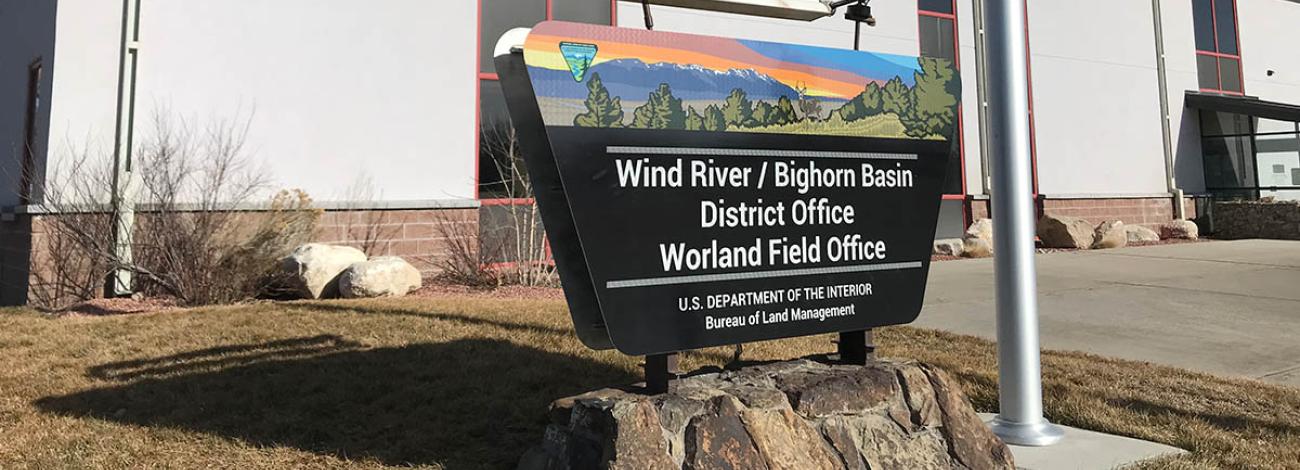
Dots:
pixel 463 382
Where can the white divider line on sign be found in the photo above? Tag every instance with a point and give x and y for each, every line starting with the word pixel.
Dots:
pixel 732 152
pixel 699 278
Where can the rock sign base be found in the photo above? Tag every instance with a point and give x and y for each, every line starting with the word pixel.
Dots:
pixel 786 415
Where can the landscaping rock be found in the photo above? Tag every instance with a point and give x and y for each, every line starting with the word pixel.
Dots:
pixel 977 242
pixel 976 248
pixel 981 229
pixel 312 270
pixel 1058 231
pixel 1110 234
pixel 1184 229
pixel 1140 234
pixel 948 247
pixel 385 276
pixel 786 415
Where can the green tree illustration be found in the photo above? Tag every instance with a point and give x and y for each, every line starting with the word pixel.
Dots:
pixel 694 122
pixel 763 114
pixel 784 113
pixel 602 111
pixel 934 100
pixel 661 111
pixel 738 109
pixel 714 119
pixel 866 104
pixel 896 97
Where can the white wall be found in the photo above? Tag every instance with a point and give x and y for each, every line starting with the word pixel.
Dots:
pixel 26 34
pixel 1096 105
pixel 333 88
pixel 1270 40
pixel 895 33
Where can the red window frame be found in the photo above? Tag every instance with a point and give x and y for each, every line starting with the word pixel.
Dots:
pixel 480 76
pixel 1218 64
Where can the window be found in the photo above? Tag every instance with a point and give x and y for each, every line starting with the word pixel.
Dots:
pixel 498 16
pixel 938 29
pixel 29 131
pixel 582 11
pixel 1247 157
pixel 1218 54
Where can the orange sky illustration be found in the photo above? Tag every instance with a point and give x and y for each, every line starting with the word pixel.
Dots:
pixel 542 50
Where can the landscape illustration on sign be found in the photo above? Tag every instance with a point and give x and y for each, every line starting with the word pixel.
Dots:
pixel 588 76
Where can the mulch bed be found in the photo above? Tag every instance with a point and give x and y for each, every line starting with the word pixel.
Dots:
pixel 123 306
pixel 435 288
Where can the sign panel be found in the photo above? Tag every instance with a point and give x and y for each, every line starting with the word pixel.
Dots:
pixel 701 191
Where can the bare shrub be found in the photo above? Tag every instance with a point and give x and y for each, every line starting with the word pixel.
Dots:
pixel 466 260
pixel 512 231
pixel 201 235
pixel 69 237
pixel 367 226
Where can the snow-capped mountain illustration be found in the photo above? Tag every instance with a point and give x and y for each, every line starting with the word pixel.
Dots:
pixel 632 80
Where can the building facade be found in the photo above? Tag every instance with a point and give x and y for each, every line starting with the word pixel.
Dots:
pixel 1139 109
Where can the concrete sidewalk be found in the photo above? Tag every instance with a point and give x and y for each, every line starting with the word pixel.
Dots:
pixel 1086 450
pixel 1223 307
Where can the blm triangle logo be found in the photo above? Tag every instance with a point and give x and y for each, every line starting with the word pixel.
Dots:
pixel 579 57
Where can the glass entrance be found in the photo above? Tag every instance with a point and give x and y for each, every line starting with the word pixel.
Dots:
pixel 1250 158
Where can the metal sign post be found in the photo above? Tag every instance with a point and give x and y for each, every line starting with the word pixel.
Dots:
pixel 1020 392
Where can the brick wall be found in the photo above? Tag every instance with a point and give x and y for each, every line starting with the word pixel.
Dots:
pixel 979 209
pixel 15 259
pixel 1150 212
pixel 417 235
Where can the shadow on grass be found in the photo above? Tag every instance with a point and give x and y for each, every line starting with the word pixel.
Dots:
pixel 464 404
pixel 710 355
pixel 451 317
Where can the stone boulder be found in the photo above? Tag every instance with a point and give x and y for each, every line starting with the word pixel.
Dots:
pixel 1140 234
pixel 1110 234
pixel 1185 229
pixel 312 270
pixel 976 248
pixel 977 242
pixel 786 415
pixel 1057 231
pixel 981 229
pixel 947 247
pixel 384 276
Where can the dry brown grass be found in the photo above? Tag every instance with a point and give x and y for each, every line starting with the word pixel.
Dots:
pixel 463 382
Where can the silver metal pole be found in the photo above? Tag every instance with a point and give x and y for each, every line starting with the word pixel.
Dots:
pixel 1020 390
